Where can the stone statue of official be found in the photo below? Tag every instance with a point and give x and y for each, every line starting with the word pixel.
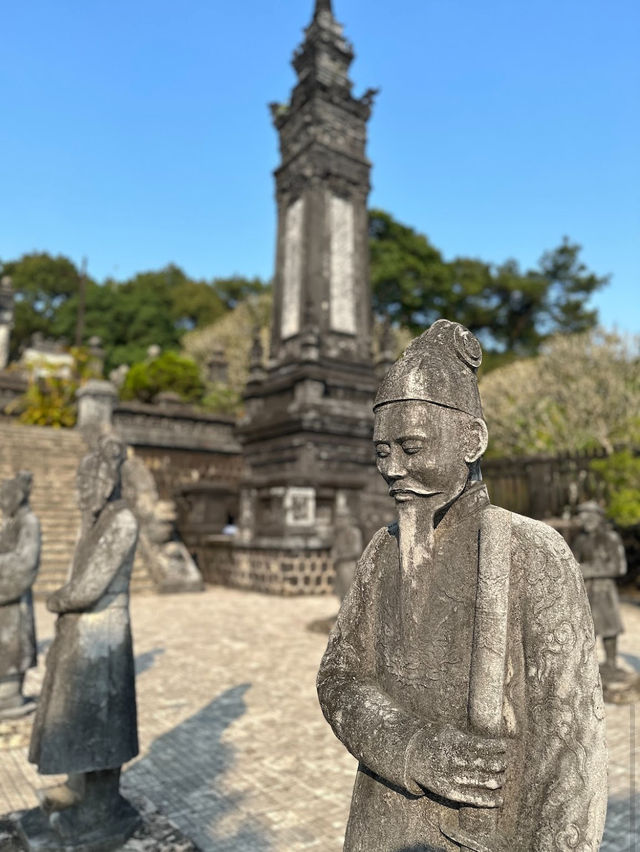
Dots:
pixel 600 553
pixel 461 671
pixel 20 545
pixel 86 723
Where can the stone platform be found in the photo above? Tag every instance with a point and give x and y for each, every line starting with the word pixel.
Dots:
pixel 234 748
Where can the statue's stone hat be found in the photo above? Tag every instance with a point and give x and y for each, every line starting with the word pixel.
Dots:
pixel 439 366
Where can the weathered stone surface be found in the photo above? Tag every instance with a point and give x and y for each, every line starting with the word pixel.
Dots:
pixel 86 723
pixel 600 552
pixel 20 545
pixel 462 672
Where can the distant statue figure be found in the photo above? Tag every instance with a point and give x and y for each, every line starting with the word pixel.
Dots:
pixel 164 553
pixel 20 545
pixel 600 552
pixel 461 672
pixel 86 723
pixel 346 548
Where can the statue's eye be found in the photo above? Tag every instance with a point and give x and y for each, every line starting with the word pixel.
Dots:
pixel 411 449
pixel 382 451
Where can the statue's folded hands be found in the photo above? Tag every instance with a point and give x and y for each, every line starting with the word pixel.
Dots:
pixel 457 765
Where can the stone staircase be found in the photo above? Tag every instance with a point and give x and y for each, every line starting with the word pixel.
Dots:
pixel 53 455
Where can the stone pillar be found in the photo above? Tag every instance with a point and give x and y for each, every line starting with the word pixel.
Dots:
pixel 6 319
pixel 96 400
pixel 96 353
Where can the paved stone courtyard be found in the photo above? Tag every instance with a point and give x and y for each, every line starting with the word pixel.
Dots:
pixel 234 748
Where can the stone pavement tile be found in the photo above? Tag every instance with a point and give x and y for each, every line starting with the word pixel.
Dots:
pixel 234 747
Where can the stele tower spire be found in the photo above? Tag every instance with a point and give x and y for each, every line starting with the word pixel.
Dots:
pixel 308 423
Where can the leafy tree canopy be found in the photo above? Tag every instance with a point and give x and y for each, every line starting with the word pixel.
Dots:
pixel 512 311
pixel 170 371
pixel 155 307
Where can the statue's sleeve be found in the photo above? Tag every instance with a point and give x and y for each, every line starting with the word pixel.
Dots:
pixel 565 789
pixel 86 587
pixel 374 728
pixel 18 567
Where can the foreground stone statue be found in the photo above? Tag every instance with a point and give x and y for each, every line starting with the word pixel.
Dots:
pixel 85 724
pixel 600 552
pixel 461 672
pixel 20 546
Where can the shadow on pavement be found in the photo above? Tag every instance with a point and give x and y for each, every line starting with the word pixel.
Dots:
pixel 182 774
pixel 145 661
pixel 621 831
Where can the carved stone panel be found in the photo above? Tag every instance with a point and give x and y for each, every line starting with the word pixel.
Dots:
pixel 300 506
pixel 342 266
pixel 292 271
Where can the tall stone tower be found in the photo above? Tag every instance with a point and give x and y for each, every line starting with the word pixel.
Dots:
pixel 307 430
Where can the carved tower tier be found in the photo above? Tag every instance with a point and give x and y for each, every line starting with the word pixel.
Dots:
pixel 308 423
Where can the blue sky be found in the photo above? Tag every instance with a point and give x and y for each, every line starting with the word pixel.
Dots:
pixel 137 133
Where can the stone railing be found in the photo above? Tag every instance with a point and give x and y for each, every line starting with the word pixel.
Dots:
pixel 175 426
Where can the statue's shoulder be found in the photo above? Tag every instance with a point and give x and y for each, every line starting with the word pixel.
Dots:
pixel 542 554
pixel 381 542
pixel 528 532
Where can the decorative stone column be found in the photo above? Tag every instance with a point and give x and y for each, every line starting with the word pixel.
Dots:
pixel 96 400
pixel 6 319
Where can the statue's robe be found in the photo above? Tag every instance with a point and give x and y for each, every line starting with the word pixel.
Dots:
pixel 398 663
pixel 18 570
pixel 86 718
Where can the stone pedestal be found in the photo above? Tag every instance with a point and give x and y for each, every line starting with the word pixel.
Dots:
pixel 36 834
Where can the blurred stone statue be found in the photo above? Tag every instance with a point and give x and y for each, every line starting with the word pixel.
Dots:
pixel 165 555
pixel 85 724
pixel 20 545
pixel 461 672
pixel 600 552
pixel 346 548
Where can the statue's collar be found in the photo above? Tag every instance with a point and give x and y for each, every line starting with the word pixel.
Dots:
pixel 474 498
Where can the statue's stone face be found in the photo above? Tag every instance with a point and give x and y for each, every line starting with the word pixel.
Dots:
pixel 590 521
pixel 422 451
pixel 95 484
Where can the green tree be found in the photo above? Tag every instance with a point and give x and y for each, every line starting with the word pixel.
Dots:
pixel 511 311
pixel 42 284
pixel 235 290
pixel 168 372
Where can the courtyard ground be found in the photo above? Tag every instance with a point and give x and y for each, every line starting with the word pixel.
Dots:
pixel 233 745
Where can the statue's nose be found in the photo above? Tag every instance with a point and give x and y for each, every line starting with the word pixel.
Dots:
pixel 395 469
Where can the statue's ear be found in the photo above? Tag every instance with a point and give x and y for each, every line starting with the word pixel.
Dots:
pixel 477 440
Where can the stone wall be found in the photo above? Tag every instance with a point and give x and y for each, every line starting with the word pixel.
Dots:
pixel 276 572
